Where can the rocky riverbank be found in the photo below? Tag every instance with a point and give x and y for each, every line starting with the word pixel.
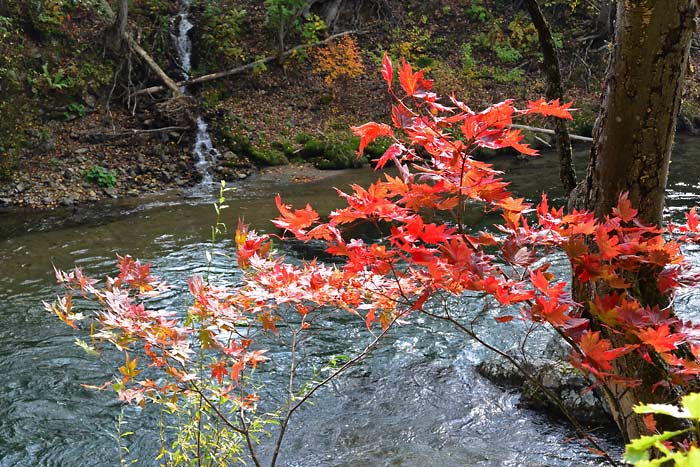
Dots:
pixel 574 391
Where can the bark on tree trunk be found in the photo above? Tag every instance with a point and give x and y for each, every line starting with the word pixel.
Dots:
pixel 631 152
pixel 604 20
pixel 118 30
pixel 555 90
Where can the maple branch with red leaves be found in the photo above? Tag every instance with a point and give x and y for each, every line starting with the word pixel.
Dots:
pixel 422 257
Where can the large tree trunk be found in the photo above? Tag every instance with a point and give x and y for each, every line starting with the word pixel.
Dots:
pixel 631 152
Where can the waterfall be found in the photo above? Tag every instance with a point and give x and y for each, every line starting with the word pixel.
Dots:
pixel 204 151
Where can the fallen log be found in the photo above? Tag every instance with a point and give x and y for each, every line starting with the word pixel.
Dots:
pixel 102 136
pixel 250 66
pixel 169 83
pixel 550 132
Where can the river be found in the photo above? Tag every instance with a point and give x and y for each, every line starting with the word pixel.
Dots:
pixel 417 402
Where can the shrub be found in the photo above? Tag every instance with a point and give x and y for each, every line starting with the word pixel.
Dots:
pixel 507 53
pixel 477 12
pixel 468 61
pixel 100 176
pixel 221 35
pixel 339 60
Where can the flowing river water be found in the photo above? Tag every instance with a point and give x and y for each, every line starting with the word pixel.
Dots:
pixel 418 401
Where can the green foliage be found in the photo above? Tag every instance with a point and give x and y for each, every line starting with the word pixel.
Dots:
pixel 282 10
pixel 75 109
pixel 424 62
pixel 508 45
pixel 681 453
pixel 6 27
pixel 303 138
pixel 523 34
pixel 284 16
pixel 377 148
pixel 337 150
pixel 469 63
pixel 339 155
pixel 259 67
pixel 100 176
pixel 312 28
pixel 507 54
pixel 490 38
pixel 221 28
pixel 45 17
pixel 477 12
pixel 262 156
pixel 285 147
pixel 93 74
pixel 121 435
pixel 502 75
pixel 57 80
pixel 413 43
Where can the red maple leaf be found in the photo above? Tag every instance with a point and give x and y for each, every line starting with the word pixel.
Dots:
pixel 598 351
pixel 607 244
pixel 392 153
pixel 624 209
pixel 414 84
pixel 295 221
pixel 387 70
pixel 692 220
pixel 660 338
pixel 549 109
pixel 369 132
pixel 218 371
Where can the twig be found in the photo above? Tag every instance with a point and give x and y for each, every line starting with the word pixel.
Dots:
pixel 359 357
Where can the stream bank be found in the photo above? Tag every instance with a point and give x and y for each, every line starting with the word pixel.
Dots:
pixel 72 132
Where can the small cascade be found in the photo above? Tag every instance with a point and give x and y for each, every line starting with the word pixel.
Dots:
pixel 204 151
pixel 184 44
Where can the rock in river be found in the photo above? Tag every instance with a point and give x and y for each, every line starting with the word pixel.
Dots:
pixel 572 388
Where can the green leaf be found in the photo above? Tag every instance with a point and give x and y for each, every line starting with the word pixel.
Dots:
pixel 87 348
pixel 691 404
pixel 636 451
pixel 689 459
pixel 662 409
pixel 652 462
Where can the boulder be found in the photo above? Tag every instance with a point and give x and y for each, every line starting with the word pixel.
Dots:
pixel 574 389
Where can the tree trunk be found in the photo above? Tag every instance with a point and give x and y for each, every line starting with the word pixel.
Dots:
pixel 604 20
pixel 118 30
pixel 631 153
pixel 119 23
pixel 555 90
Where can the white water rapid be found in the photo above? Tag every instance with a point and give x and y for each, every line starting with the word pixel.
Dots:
pixel 204 151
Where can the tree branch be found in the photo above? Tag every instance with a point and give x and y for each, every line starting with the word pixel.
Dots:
pixel 250 66
pixel 359 357
pixel 548 393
